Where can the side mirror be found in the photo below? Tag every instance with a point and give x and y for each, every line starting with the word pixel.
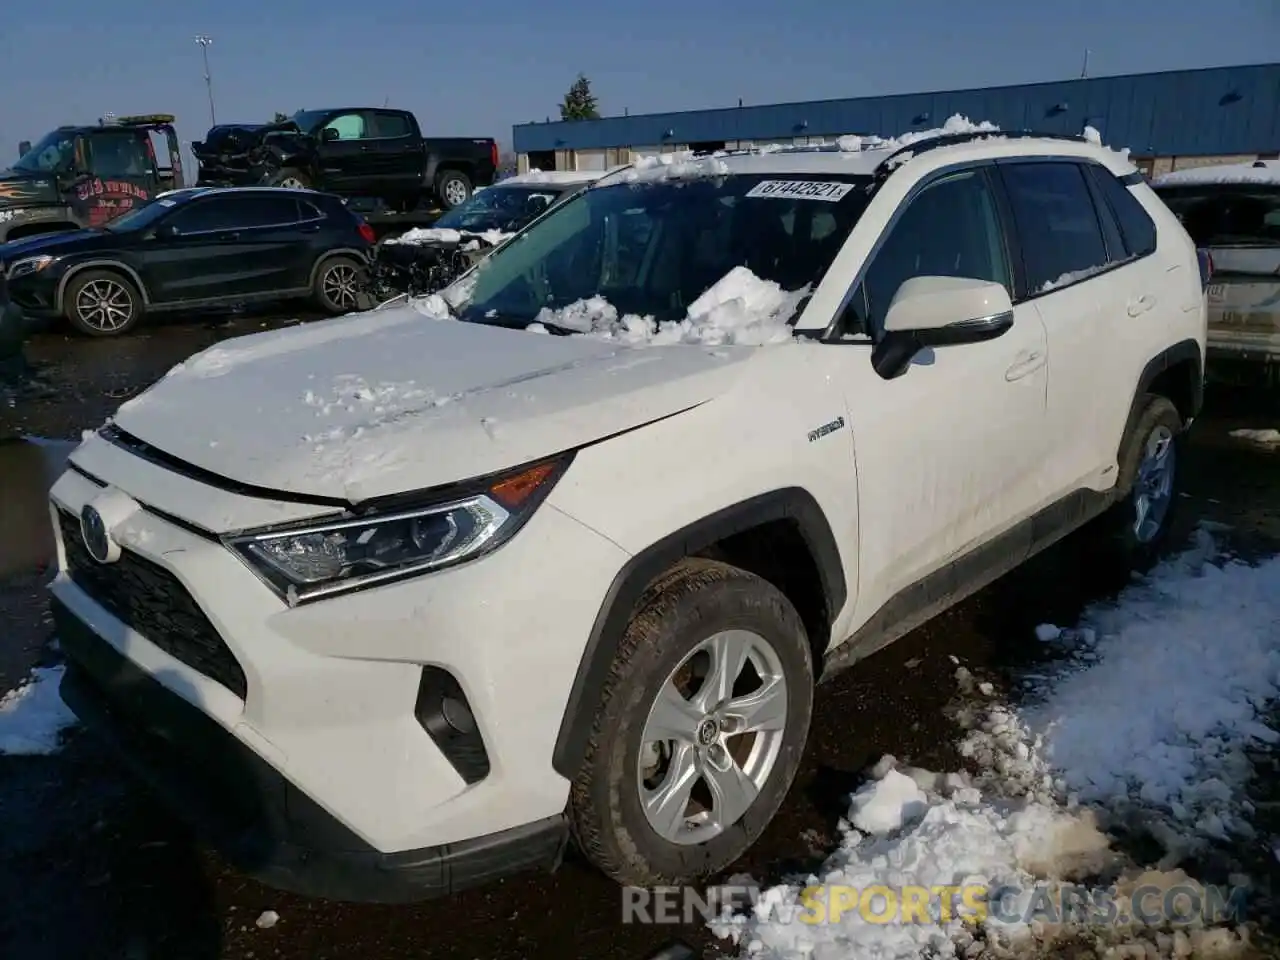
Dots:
pixel 328 135
pixel 938 312
pixel 24 148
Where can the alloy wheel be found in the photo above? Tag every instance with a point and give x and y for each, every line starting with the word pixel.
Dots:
pixel 104 305
pixel 712 737
pixel 341 286
pixel 1153 487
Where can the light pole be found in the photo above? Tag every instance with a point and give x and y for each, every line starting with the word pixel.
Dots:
pixel 204 42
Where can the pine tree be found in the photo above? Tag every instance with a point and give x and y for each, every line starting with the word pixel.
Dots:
pixel 579 103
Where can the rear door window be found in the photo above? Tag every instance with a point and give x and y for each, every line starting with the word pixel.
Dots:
pixel 1058 227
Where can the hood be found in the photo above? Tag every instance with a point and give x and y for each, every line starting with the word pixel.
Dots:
pixel 393 401
pixel 60 243
pixel 18 188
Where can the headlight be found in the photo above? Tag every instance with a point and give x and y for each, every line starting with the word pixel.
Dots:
pixel 308 562
pixel 29 265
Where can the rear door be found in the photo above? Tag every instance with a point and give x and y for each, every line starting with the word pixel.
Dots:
pixel 231 245
pixel 122 173
pixel 1240 225
pixel 397 152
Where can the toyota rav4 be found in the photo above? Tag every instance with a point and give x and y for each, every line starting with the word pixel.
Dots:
pixel 401 602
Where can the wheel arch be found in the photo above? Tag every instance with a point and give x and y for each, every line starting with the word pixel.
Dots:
pixel 1177 372
pixel 351 252
pixel 791 505
pixel 100 264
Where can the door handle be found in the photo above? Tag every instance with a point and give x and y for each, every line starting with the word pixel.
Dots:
pixel 1140 305
pixel 365 149
pixel 311 228
pixel 229 235
pixel 1027 362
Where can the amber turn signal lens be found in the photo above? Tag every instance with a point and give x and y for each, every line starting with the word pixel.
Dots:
pixel 515 490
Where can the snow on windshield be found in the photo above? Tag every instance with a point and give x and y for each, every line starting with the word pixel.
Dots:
pixel 738 309
pixel 1149 714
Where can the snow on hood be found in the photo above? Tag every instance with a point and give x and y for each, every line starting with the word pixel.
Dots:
pixel 426 235
pixel 1261 171
pixel 396 400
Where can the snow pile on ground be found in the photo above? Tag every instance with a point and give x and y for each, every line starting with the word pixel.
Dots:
pixel 1260 171
pixel 740 309
pixel 1270 437
pixel 33 716
pixel 1148 720
pixel 424 235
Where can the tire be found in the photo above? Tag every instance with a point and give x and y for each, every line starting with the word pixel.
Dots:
pixel 453 188
pixel 93 300
pixel 1146 478
pixel 289 177
pixel 685 610
pixel 339 285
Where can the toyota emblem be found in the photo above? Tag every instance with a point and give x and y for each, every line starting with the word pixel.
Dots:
pixel 93 530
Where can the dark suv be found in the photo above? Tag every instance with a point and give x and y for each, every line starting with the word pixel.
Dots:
pixel 195 247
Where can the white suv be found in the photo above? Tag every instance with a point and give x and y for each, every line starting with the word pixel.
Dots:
pixel 401 602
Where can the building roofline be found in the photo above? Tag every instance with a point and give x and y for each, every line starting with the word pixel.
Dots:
pixel 895 96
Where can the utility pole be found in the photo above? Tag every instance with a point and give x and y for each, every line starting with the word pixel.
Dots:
pixel 204 42
pixel 1084 71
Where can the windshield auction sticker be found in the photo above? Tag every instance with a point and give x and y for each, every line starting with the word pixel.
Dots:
pixel 829 190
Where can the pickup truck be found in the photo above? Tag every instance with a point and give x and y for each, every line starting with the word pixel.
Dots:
pixel 366 152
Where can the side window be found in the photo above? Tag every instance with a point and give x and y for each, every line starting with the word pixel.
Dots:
pixel 118 156
pixel 388 124
pixel 1058 225
pixel 264 211
pixel 1136 227
pixel 951 229
pixel 350 126
pixel 202 216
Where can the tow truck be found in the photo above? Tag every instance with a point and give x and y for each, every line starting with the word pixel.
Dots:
pixel 78 177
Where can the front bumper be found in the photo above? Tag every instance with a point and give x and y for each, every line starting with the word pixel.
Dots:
pixel 37 293
pixel 328 697
pixel 260 822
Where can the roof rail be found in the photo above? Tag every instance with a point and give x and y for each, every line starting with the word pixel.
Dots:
pixel 891 162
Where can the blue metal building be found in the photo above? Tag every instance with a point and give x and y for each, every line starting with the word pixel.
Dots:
pixel 1167 120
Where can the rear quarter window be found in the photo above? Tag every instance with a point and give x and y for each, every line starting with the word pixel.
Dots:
pixel 1136 227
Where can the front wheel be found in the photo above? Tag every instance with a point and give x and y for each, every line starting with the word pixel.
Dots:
pixel 340 285
pixel 700 730
pixel 102 303
pixel 290 179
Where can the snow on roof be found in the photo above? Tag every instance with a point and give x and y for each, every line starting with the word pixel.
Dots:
pixel 552 176
pixel 1260 171
pixel 852 155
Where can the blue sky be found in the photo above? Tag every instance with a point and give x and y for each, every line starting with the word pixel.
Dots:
pixel 471 69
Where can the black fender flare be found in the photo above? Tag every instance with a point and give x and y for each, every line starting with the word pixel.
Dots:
pixel 1183 351
pixel 351 252
pixel 103 264
pixel 787 503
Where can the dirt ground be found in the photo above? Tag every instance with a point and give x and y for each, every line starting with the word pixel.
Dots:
pixel 90 867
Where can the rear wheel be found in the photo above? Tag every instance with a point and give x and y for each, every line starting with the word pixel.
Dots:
pixel 340 285
pixel 102 303
pixel 1139 525
pixel 453 188
pixel 700 728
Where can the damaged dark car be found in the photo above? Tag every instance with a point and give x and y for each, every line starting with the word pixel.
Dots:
pixel 366 152
pixel 422 261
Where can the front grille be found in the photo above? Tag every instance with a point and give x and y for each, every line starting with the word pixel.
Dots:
pixel 152 601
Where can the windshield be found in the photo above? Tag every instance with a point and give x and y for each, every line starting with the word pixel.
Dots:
pixel 139 218
pixel 1239 215
pixel 650 248
pixel 500 208
pixel 308 120
pixel 52 154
